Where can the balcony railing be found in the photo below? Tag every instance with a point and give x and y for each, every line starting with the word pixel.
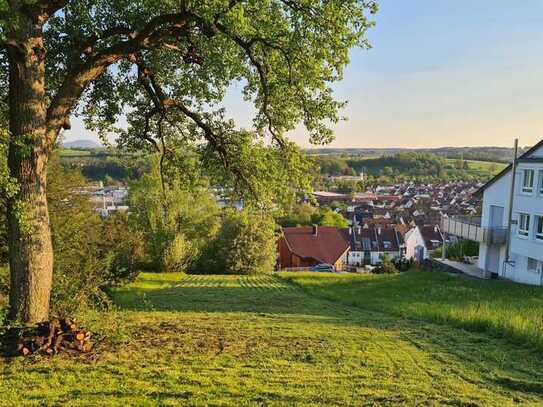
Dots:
pixel 469 227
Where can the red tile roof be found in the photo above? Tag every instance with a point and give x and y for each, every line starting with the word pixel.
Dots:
pixel 327 246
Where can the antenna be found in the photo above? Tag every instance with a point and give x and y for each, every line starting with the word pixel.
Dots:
pixel 510 209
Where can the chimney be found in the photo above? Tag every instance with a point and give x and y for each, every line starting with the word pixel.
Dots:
pixel 315 230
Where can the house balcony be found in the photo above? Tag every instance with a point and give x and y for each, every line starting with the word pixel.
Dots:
pixel 469 227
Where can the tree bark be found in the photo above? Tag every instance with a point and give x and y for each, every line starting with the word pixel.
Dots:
pixel 30 247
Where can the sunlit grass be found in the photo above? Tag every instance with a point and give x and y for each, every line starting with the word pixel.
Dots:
pixel 502 308
pixel 482 166
pixel 251 341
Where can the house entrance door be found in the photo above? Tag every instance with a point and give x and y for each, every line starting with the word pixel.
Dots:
pixel 493 259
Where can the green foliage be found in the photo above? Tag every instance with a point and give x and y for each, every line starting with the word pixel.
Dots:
pixel 176 222
pixel 122 246
pixel 245 244
pixel 286 55
pixel 111 169
pixel 458 249
pixel 166 67
pixel 334 166
pixel 401 167
pixel 329 217
pixel 4 181
pixel 347 187
pixel 386 266
pixel 90 254
pixel 179 254
pixel 301 214
pixel 304 214
pixel 4 291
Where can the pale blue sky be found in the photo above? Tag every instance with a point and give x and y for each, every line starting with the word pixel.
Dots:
pixel 440 73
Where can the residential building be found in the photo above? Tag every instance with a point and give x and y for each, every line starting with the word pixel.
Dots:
pixel 370 243
pixel 525 263
pixel 309 246
pixel 415 245
pixel 433 238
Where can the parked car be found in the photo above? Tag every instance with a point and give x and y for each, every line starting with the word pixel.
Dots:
pixel 323 268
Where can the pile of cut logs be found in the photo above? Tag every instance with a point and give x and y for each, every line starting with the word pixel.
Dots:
pixel 55 336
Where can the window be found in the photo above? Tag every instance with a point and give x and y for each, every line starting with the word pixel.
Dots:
pixel 533 265
pixel 528 181
pixel 524 224
pixel 539 228
pixel 540 177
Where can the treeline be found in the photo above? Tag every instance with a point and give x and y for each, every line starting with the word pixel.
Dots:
pixel 107 168
pixel 413 164
pixel 490 154
pixel 405 166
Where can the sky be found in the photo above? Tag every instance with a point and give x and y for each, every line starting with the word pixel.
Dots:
pixel 440 73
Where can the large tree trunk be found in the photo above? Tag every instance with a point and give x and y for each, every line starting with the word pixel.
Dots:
pixel 30 248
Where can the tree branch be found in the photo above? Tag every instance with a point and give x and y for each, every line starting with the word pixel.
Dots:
pixel 247 46
pixel 86 46
pixel 43 8
pixel 156 31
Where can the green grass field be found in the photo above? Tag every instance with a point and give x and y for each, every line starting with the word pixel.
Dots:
pixel 501 308
pixel 67 152
pixel 256 341
pixel 483 166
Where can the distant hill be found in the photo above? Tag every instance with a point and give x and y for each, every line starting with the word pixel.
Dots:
pixel 81 144
pixel 492 154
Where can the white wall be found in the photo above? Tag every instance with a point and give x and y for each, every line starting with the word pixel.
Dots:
pixel 496 194
pixel 412 239
pixel 355 258
pixel 520 272
pixel 521 247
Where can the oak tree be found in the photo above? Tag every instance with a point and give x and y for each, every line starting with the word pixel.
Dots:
pixel 165 65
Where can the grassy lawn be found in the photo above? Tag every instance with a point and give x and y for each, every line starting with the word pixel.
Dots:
pixel 229 340
pixel 481 166
pixel 67 152
pixel 506 309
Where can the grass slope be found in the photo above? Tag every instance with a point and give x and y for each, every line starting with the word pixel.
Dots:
pixel 503 308
pixel 229 340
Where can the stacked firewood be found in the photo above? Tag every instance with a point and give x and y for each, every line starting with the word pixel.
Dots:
pixel 53 337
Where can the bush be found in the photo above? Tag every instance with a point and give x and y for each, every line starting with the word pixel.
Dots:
pixel 245 244
pixel 175 223
pixel 4 290
pixel 386 266
pixel 90 254
pixel 179 254
pixel 123 247
pixel 458 249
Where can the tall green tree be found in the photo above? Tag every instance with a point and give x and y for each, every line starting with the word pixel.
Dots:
pixel 175 216
pixel 332 218
pixel 167 63
pixel 4 181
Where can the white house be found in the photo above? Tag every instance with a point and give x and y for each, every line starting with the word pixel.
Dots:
pixel 415 248
pixel 526 237
pixel 369 244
